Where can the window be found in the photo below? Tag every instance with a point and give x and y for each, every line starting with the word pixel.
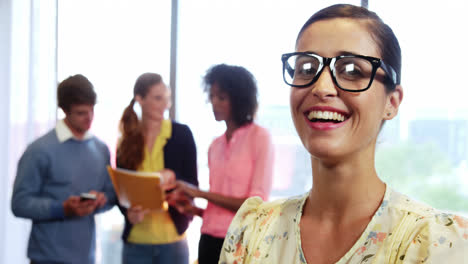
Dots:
pixel 424 152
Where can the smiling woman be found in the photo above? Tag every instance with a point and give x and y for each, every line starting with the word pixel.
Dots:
pixel 345 83
pixel 364 104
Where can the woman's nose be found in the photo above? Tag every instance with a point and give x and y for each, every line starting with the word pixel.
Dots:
pixel 214 101
pixel 325 87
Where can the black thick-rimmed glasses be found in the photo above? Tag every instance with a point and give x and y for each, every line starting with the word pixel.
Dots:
pixel 352 73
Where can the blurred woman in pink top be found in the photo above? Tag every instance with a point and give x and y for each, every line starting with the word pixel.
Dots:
pixel 240 160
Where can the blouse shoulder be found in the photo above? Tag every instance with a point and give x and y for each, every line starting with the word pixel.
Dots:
pixel 260 130
pixel 438 237
pixel 254 221
pixel 260 136
pixel 240 232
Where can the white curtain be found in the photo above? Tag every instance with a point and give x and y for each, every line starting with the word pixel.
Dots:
pixel 28 103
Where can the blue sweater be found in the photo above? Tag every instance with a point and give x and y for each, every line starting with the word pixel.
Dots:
pixel 48 173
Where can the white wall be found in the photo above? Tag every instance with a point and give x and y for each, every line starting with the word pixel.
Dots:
pixel 5 48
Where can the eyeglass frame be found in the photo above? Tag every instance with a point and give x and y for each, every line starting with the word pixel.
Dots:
pixel 325 61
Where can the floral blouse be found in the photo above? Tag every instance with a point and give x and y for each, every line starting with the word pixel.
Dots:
pixel 401 231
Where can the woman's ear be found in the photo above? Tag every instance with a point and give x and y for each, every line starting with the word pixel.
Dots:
pixel 138 99
pixel 394 99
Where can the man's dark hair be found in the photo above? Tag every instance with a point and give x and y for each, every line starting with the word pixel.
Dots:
pixel 76 89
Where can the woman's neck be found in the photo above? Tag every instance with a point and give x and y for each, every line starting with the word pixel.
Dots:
pixel 151 130
pixel 231 126
pixel 345 191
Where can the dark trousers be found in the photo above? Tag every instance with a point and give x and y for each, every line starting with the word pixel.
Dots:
pixel 209 249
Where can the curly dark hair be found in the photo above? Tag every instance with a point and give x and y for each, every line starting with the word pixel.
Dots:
pixel 240 86
pixel 76 89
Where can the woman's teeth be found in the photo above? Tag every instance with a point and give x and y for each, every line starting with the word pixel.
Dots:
pixel 325 115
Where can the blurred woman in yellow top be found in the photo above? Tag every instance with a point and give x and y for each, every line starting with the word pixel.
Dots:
pixel 155 144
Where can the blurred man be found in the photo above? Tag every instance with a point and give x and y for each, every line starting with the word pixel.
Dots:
pixel 61 182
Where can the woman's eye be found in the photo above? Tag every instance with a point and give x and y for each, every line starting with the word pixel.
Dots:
pixel 350 71
pixel 353 72
pixel 353 68
pixel 306 71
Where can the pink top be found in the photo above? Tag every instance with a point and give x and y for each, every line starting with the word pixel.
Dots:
pixel 242 167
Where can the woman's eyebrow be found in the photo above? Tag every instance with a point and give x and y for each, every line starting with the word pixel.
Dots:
pixel 340 53
pixel 347 53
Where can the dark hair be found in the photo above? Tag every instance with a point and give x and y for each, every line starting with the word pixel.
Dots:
pixel 240 86
pixel 381 33
pixel 130 151
pixel 75 90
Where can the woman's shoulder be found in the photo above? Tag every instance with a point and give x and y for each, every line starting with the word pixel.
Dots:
pixel 259 135
pixel 255 221
pixel 421 210
pixel 180 131
pixel 441 236
pixel 256 206
pixel 259 129
pixel 176 126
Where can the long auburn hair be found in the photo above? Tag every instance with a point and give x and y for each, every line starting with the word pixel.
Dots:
pixel 130 150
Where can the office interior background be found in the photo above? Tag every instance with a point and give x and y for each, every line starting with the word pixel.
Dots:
pixel 422 153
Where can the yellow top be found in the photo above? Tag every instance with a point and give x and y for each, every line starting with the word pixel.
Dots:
pixel 402 231
pixel 157 226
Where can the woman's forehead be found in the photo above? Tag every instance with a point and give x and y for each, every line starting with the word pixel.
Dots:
pixel 333 37
pixel 216 88
pixel 159 88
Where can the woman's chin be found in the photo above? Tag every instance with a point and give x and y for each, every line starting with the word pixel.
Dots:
pixel 157 118
pixel 325 152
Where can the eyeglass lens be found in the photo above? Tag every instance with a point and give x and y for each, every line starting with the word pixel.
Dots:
pixel 351 73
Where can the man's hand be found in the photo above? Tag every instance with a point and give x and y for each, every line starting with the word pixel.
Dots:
pixel 101 198
pixel 73 206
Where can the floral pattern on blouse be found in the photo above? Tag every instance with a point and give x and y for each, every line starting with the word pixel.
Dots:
pixel 401 231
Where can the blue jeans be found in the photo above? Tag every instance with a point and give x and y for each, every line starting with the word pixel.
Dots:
pixel 176 253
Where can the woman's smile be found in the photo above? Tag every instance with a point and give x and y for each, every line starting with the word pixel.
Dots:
pixel 325 117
